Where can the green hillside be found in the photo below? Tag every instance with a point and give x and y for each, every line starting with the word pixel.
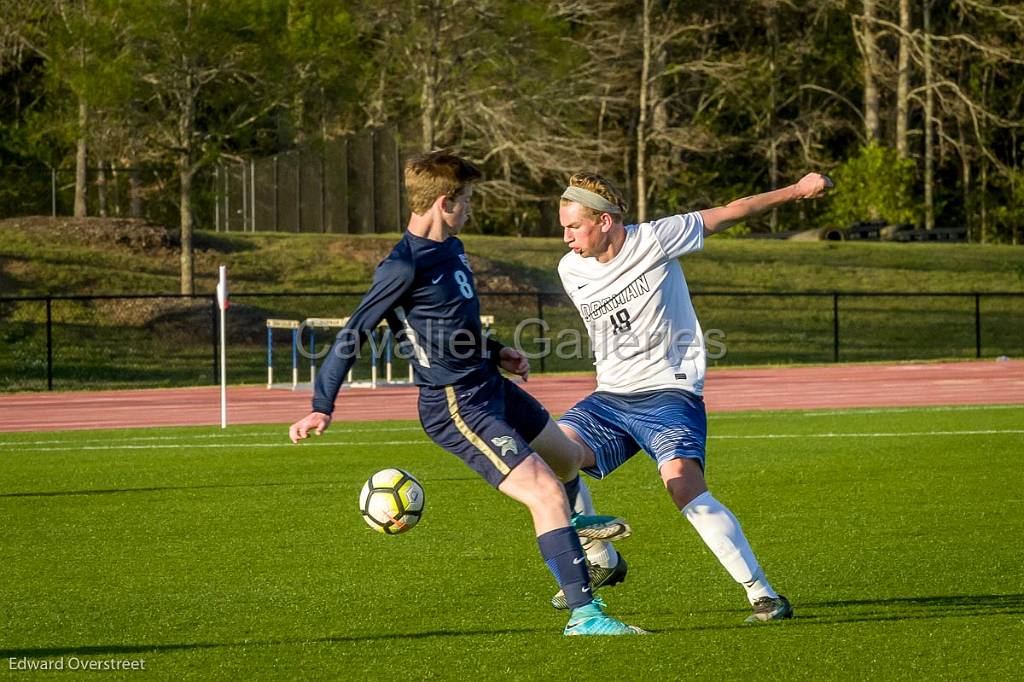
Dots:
pixel 97 256
pixel 171 342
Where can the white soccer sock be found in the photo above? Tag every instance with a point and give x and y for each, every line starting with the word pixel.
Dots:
pixel 721 532
pixel 598 551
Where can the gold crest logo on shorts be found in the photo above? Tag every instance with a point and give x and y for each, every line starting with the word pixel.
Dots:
pixel 506 444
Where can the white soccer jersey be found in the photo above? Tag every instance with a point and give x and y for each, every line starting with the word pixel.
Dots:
pixel 637 308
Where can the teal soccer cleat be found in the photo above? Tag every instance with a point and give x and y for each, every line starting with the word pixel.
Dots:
pixel 601 527
pixel 599 577
pixel 591 620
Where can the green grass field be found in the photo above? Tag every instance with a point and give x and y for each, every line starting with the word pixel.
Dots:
pixel 896 533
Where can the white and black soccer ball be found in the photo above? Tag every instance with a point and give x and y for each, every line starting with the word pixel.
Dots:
pixel 391 501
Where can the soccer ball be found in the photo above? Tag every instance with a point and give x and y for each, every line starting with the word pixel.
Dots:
pixel 391 501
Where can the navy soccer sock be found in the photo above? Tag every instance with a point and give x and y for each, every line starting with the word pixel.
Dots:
pixel 564 556
pixel 572 490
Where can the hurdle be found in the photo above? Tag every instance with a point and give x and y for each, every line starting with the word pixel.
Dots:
pixel 328 323
pixel 314 323
pixel 295 326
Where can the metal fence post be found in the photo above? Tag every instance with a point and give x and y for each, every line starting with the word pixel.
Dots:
pixel 214 339
pixel 53 191
pixel 835 326
pixel 227 198
pixel 49 344
pixel 540 325
pixel 252 195
pixel 245 197
pixel 277 220
pixel 977 325
pixel 323 197
pixel 298 192
pixel 216 199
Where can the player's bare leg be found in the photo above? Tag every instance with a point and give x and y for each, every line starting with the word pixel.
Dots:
pixel 533 484
pixel 607 567
pixel 721 532
pixel 566 456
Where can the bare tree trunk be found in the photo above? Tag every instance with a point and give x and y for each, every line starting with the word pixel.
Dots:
pixel 903 83
pixel 134 192
pixel 431 78
pixel 185 175
pixel 641 126
pixel 773 156
pixel 983 189
pixel 101 189
pixel 872 123
pixel 299 112
pixel 429 108
pixel 186 170
pixel 81 160
pixel 965 179
pixel 929 111
pixel 984 200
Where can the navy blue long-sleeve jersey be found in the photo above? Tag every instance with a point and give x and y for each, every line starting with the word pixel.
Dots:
pixel 425 291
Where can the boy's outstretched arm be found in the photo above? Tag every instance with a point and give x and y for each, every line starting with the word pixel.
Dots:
pixel 720 218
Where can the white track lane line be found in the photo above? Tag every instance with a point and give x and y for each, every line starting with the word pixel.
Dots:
pixel 760 436
pixel 195 436
pixel 854 411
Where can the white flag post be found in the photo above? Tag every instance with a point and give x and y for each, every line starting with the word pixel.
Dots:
pixel 222 303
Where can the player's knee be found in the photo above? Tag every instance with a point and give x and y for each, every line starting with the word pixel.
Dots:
pixel 547 490
pixel 684 480
pixel 534 484
pixel 581 454
pixel 562 454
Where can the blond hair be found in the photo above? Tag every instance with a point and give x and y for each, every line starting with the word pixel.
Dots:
pixel 430 175
pixel 600 186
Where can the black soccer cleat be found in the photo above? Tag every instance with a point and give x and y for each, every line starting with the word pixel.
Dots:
pixel 599 577
pixel 768 609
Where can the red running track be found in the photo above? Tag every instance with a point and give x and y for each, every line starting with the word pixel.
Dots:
pixel 726 390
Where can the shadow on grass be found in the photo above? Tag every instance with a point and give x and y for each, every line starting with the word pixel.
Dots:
pixel 114 649
pixel 115 491
pixel 160 489
pixel 887 610
pixel 916 608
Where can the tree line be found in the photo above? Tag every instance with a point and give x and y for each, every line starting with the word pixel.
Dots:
pixel 913 105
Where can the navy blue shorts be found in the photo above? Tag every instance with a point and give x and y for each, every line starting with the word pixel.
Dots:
pixel 669 424
pixel 487 424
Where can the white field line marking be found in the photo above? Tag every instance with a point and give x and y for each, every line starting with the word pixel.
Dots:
pixel 861 410
pixel 194 436
pixel 207 446
pixel 760 436
pixel 876 434
pixel 714 416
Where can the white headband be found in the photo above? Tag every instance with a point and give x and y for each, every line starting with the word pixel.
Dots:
pixel 591 200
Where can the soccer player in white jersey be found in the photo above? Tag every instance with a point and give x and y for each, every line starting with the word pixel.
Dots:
pixel 628 287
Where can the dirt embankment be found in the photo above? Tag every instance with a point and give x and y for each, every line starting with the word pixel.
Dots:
pixel 137 235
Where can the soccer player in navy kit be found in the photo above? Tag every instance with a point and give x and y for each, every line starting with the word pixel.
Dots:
pixel 425 291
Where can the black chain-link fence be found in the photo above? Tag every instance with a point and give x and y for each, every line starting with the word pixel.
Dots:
pixel 87 342
pixel 147 192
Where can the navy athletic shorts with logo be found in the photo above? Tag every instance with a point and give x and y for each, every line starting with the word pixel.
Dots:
pixel 667 424
pixel 488 422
